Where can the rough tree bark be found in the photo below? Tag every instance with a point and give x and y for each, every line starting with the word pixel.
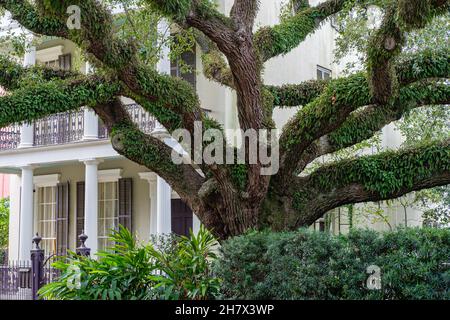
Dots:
pixel 334 115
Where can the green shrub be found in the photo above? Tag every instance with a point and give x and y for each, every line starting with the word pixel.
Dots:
pixel 4 223
pixel 315 265
pixel 172 268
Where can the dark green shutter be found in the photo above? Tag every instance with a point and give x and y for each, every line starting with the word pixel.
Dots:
pixel 65 62
pixel 80 210
pixel 62 218
pixel 126 202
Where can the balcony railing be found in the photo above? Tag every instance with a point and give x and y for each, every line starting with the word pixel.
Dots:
pixel 68 127
pixel 142 118
pixel 9 137
pixel 59 128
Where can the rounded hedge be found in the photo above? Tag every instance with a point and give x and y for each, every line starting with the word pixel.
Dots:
pixel 316 265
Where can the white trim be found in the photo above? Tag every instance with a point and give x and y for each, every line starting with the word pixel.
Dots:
pixel 149 176
pixel 57 154
pixel 49 54
pixel 111 175
pixel 49 180
pixel 175 195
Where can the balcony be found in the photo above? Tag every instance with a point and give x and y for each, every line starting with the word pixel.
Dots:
pixel 68 127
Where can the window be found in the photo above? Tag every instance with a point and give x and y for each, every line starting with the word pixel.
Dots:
pixel 46 218
pixel 108 212
pixel 323 73
pixel 64 62
pixel 189 60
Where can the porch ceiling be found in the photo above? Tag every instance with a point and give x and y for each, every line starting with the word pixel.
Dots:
pixel 11 161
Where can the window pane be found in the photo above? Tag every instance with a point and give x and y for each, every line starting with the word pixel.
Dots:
pixel 108 212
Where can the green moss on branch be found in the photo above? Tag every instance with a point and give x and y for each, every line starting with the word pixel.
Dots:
pixel 13 75
pixel 364 124
pixel 293 95
pixel 385 174
pixel 26 14
pixel 39 100
pixel 282 38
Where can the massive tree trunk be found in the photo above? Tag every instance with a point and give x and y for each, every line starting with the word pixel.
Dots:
pixel 336 114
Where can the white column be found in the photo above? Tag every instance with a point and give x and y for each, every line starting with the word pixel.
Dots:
pixel 90 117
pixel 29 59
pixel 91 204
pixel 90 125
pixel 26 213
pixel 27 130
pixel 26 135
pixel 195 223
pixel 163 65
pixel 150 177
pixel 163 207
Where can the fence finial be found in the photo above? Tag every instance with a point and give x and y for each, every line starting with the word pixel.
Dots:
pixel 82 250
pixel 37 240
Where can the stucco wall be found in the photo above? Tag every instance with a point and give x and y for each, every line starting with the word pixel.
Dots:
pixel 75 172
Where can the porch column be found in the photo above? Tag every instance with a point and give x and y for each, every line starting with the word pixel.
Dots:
pixel 150 177
pixel 163 65
pixel 91 204
pixel 27 130
pixel 163 207
pixel 26 213
pixel 90 125
pixel 90 117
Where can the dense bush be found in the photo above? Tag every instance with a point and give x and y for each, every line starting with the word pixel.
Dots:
pixel 4 224
pixel 172 268
pixel 315 265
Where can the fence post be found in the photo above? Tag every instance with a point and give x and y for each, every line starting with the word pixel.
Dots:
pixel 37 267
pixel 82 250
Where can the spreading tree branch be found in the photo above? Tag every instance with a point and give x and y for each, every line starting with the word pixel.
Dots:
pixel 286 36
pixel 384 176
pixel 294 95
pixel 13 75
pixel 342 96
pixel 43 99
pixel 363 124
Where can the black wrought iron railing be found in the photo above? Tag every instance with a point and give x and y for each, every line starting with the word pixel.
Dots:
pixel 67 127
pixel 15 281
pixel 142 118
pixel 59 128
pixel 9 137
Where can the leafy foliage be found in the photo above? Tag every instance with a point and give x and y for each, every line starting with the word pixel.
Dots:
pixel 4 225
pixel 315 265
pixel 172 268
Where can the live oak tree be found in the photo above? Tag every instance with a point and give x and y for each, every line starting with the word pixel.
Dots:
pixel 332 115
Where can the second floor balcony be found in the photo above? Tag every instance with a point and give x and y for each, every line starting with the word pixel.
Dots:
pixel 68 127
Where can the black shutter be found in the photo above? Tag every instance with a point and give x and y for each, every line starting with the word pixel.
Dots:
pixel 62 218
pixel 65 62
pixel 80 210
pixel 181 217
pixel 126 202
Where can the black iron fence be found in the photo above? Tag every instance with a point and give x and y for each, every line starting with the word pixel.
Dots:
pixel 21 280
pixel 15 281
